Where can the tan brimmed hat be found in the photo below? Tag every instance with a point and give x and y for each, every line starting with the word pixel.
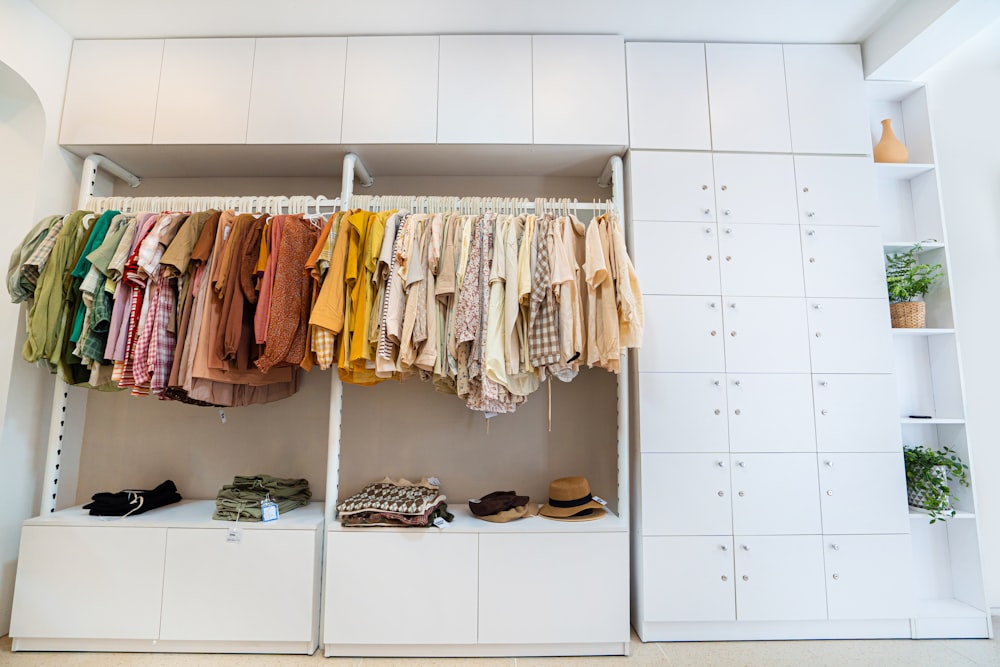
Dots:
pixel 570 500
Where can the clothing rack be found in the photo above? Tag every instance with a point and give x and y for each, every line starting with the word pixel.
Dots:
pixel 272 204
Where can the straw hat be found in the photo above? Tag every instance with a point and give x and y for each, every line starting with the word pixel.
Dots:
pixel 570 500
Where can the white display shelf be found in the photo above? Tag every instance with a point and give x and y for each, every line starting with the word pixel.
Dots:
pixel 932 420
pixel 466 522
pixel 916 514
pixel 922 332
pixel 902 246
pixel 901 172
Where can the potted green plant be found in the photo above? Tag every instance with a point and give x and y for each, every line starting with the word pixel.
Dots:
pixel 929 474
pixel 907 278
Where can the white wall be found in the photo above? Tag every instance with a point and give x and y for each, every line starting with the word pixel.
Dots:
pixel 964 99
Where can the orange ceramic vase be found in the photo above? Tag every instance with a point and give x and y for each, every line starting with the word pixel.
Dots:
pixel 889 148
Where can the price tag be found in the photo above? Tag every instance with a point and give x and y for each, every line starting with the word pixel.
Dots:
pixel 434 480
pixel 268 510
pixel 222 415
pixel 440 523
pixel 597 499
pixel 235 535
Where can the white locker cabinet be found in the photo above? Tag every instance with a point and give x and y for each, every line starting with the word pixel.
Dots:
pixel 679 258
pixel 755 188
pixel 394 606
pixel 850 336
pixel 770 413
pixel 775 494
pixel 88 582
pixel 780 578
pixel 291 64
pixel 868 576
pixel 686 494
pixel 683 412
pixel 408 67
pixel 671 187
pixel 467 64
pixel 856 413
pixel 843 262
pixel 683 335
pixel 204 91
pixel 836 190
pixel 688 579
pixel 667 96
pixel 863 493
pixel 747 99
pixel 760 260
pixel 827 101
pixel 88 117
pixel 765 335
pixel 566 70
pixel 583 603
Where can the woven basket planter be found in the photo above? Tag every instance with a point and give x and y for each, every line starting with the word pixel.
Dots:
pixel 908 315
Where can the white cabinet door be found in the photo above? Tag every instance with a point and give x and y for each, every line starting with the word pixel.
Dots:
pixel 89 117
pixel 679 258
pixel 780 578
pixel 766 335
pixel 558 564
pixel 204 93
pixel 868 576
pixel 688 579
pixel 856 413
pixel 836 190
pixel 747 100
pixel 775 494
pixel 212 588
pixel 770 413
pixel 405 70
pixel 77 582
pixel 441 573
pixel 683 412
pixel 470 62
pixel 760 260
pixel 850 336
pixel 667 96
pixel 683 335
pixel 863 493
pixel 755 188
pixel 566 70
pixel 826 98
pixel 284 65
pixel 673 484
pixel 674 187
pixel 829 251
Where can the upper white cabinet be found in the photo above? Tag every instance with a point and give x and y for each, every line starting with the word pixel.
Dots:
pixel 578 86
pixel 469 62
pixel 88 117
pixel 204 91
pixel 836 190
pixel 406 69
pixel 747 100
pixel 673 187
pixel 826 98
pixel 667 96
pixel 290 65
pixel 755 188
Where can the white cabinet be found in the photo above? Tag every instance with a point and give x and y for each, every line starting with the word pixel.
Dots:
pixel 850 336
pixel 828 251
pixel 765 335
pixel 868 576
pixel 755 188
pixel 688 579
pixel 780 578
pixel 770 413
pixel 204 91
pixel 856 413
pixel 676 187
pixel 683 412
pixel 468 63
pixel 826 98
pixel 673 485
pixel 89 117
pixel 567 70
pixel 667 96
pixel 747 99
pixel 775 494
pixel 694 347
pixel 760 260
pixel 289 103
pixel 863 493
pixel 405 68
pixel 679 258
pixel 836 190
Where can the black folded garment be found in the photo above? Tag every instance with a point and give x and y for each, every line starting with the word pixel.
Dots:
pixel 132 501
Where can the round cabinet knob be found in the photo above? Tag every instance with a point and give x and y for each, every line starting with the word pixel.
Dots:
pixel 727 212
pixel 718 412
pixel 835 547
pixel 811 232
pixel 708 257
pixel 741 494
pixel 713 332
pixel 737 412
pixel 819 334
pixel 829 492
pixel 706 211
pixel 742 464
pixel 744 547
pixel 711 304
pixel 724 547
pixel 812 260
pixel 722 494
pixel 724 577
pixel 738 383
pixel 746 578
pixel 729 258
pixel 810 214
pixel 824 383
pixel 733 334
pixel 704 187
pixel 732 306
pixel 721 464
pixel 836 577
pixel 805 189
pixel 824 412
pixel 717 383
pixel 724 187
pixel 829 464
pixel 708 230
pixel 818 306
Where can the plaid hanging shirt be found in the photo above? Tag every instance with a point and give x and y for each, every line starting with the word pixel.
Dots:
pixel 543 324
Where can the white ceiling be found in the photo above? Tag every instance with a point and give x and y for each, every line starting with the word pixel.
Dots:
pixel 809 21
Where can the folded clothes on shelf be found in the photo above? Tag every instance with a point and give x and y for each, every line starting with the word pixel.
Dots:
pixel 399 502
pixel 132 501
pixel 241 499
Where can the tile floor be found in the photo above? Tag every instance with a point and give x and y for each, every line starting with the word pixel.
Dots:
pixel 874 653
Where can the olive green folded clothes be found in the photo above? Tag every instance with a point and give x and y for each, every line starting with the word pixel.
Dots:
pixel 242 498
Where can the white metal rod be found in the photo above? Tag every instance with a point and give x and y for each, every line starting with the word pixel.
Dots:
pixel 95 160
pixel 607 177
